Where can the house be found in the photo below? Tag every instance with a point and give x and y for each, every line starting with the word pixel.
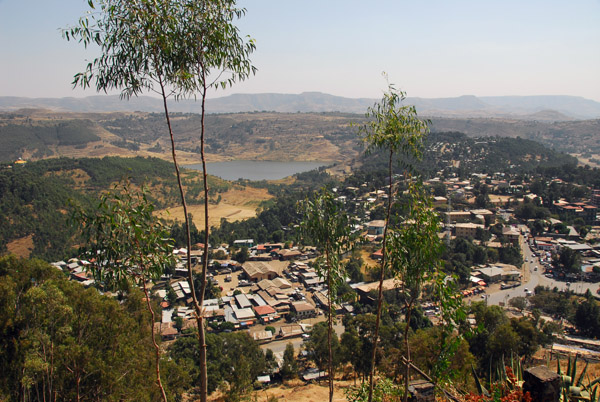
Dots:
pixel 249 243
pixel 166 331
pixel 377 255
pixel 289 331
pixel 364 290
pixel 310 278
pixel 304 310
pixel 244 316
pixel 375 228
pixel 467 229
pixel 261 336
pixel 281 283
pixel 242 301
pixel 499 272
pixel 258 270
pixel 266 314
pixel 439 201
pixel 286 255
pixel 512 235
pixel 456 216
pixel 482 214
pixel 491 274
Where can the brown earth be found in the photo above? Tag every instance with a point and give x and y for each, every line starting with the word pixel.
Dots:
pixel 296 391
pixel 21 247
pixel 236 204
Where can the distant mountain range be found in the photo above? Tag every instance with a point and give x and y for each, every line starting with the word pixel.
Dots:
pixel 541 108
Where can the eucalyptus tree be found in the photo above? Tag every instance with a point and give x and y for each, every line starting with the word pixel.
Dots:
pixel 126 244
pixel 414 256
pixel 397 130
pixel 326 225
pixel 176 48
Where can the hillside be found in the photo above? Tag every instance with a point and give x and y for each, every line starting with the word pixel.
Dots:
pixel 36 134
pixel 516 107
pixel 36 199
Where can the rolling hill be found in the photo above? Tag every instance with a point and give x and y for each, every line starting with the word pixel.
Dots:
pixel 520 107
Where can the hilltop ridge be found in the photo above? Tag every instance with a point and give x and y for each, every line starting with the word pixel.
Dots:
pixel 520 107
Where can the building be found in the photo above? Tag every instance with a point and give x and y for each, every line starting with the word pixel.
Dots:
pixel 467 229
pixel 266 314
pixel 304 310
pixel 286 255
pixel 249 243
pixel 512 235
pixel 289 331
pixel 570 211
pixel 491 274
pixel 456 216
pixel 439 201
pixel 256 271
pixel 376 228
pixel 499 272
pixel 364 290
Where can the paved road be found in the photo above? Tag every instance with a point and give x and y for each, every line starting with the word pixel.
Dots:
pixel 534 278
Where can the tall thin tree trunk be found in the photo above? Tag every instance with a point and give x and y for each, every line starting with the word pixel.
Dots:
pixel 156 347
pixel 407 346
pixel 197 309
pixel 381 278
pixel 201 334
pixel 330 327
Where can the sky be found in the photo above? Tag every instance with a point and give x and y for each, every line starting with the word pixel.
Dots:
pixel 428 48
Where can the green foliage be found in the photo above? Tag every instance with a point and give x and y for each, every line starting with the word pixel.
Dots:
pixel 289 367
pixel 40 137
pixel 429 348
pixel 60 341
pixel 325 225
pixel 384 390
pixel 272 217
pixel 568 261
pixel 318 349
pixel 415 248
pixel 499 337
pixel 357 342
pixel 33 204
pixel 396 130
pixel 394 127
pixel 353 268
pixel 553 302
pixel 518 302
pixel 587 317
pixel 234 360
pixel 509 254
pixel 124 240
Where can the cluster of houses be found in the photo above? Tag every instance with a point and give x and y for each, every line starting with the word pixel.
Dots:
pixel 275 282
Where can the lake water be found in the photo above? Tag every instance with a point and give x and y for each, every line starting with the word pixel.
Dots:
pixel 257 170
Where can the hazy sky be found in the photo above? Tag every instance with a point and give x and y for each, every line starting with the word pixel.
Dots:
pixel 429 48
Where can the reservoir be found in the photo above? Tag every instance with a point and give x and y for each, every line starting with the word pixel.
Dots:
pixel 257 170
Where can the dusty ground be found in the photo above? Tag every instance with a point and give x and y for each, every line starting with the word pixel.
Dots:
pixel 21 247
pixel 235 205
pixel 297 391
pixel 543 356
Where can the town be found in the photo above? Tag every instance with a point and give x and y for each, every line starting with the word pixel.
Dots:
pixel 273 292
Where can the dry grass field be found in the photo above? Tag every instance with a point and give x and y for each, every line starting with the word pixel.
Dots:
pixel 236 204
pixel 296 391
